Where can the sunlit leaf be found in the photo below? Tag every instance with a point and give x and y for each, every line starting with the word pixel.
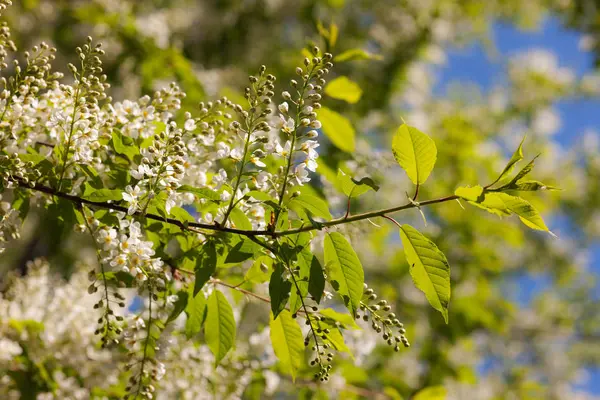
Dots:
pixel 342 88
pixel 346 273
pixel 338 129
pixel 202 193
pixel 221 334
pixel 101 195
pixel 356 54
pixel 415 152
pixel 353 188
pixel 431 393
pixel 313 204
pixel 287 342
pixel 196 313
pixel 515 158
pixel 428 267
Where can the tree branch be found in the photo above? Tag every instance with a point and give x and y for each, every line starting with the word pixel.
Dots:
pixel 193 226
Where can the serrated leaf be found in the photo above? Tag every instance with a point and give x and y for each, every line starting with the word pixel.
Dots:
pixel 428 267
pixel 206 264
pixel 356 54
pixel 181 214
pixel 203 193
pixel 316 206
pixel 524 171
pixel 279 290
pixel 338 129
pixel 415 152
pixel 220 335
pixel 342 88
pixel 196 312
pixel 353 188
pixel 346 273
pixel 101 195
pixel 287 342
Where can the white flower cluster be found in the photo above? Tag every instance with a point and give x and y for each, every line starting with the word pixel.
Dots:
pixel 124 248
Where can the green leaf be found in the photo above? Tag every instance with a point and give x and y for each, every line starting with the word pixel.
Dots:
pixel 356 54
pixel 503 204
pixel 304 260
pixel 241 251
pixel 346 319
pixel 260 271
pixel 346 273
pixel 353 188
pixel 342 88
pixel 206 264
pixel 338 129
pixel 240 219
pixel 124 145
pixel 431 393
pixel 316 281
pixel 515 158
pixel 181 215
pixel 428 267
pixel 415 152
pixel 314 205
pixel 279 290
pixel 220 335
pixel 287 342
pixel 179 306
pixel 196 312
pixel 530 186
pixel 203 193
pixel 101 195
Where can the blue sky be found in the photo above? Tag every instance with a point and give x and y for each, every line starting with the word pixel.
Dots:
pixel 478 65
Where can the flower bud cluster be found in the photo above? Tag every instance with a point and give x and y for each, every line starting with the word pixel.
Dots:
pixel 10 224
pixel 382 319
pixel 299 127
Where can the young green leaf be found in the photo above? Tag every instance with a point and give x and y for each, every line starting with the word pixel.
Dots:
pixel 356 54
pixel 353 188
pixel 287 342
pixel 342 88
pixel 338 129
pixel 516 157
pixel 415 152
pixel 221 334
pixel 206 264
pixel 196 312
pixel 279 290
pixel 346 273
pixel 503 204
pixel 313 204
pixel 428 267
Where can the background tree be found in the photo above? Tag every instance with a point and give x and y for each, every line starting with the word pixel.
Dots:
pixel 494 346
